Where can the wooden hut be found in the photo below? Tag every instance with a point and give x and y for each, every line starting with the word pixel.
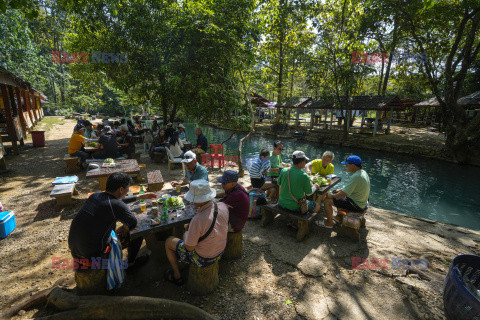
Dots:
pixel 20 108
pixel 377 104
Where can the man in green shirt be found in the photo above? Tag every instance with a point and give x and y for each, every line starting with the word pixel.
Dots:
pixel 299 183
pixel 354 196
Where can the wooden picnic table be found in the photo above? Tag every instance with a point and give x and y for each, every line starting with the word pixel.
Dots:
pixel 176 219
pixel 91 149
pixel 128 166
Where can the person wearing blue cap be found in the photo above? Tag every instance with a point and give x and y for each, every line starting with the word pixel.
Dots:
pixel 354 196
pixel 237 200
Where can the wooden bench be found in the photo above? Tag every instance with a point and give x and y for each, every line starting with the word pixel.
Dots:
pixel 155 180
pixel 234 247
pixel 269 211
pixel 72 163
pixel 63 193
pixel 349 224
pixel 203 280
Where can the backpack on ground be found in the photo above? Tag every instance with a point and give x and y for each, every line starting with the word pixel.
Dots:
pixel 257 199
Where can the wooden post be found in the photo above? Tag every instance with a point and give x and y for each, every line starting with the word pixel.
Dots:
pixel 298 117
pixel 348 112
pixel 203 280
pixel 234 247
pixel 20 112
pixel 312 116
pixel 9 119
pixel 376 123
pixel 26 99
pixel 390 119
pixel 363 118
pixel 331 119
pixel 33 106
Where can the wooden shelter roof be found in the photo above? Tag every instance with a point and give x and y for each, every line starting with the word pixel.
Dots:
pixel 295 102
pixel 375 103
pixel 319 103
pixel 9 78
pixel 470 100
pixel 432 102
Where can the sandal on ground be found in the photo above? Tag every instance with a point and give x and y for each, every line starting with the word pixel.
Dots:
pixel 321 223
pixel 171 278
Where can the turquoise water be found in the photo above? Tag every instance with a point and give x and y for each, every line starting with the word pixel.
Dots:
pixel 419 187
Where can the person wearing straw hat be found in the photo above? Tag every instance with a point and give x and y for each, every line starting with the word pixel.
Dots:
pixel 204 242
pixel 181 132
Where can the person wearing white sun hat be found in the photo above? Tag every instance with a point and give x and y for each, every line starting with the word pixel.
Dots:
pixel 206 238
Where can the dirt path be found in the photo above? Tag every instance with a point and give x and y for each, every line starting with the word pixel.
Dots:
pixel 277 278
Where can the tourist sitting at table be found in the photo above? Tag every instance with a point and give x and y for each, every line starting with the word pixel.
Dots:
pixel 91 227
pixel 259 169
pixel 116 128
pixel 322 166
pixel 204 242
pixel 176 145
pixel 126 143
pixel 354 196
pixel 107 144
pixel 295 185
pixel 181 132
pixel 131 128
pixel 97 133
pixel 76 144
pixel 276 165
pixel 88 129
pixel 169 130
pixel 194 170
pixel 237 200
pixel 159 144
pixel 202 143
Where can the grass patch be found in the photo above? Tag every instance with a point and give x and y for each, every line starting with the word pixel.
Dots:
pixel 47 123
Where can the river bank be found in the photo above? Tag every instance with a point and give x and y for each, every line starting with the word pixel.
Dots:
pixel 277 277
pixel 415 142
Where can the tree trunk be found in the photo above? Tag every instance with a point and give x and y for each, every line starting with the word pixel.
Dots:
pixel 241 171
pixel 130 307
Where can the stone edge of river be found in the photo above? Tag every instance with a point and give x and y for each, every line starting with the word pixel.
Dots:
pixel 337 137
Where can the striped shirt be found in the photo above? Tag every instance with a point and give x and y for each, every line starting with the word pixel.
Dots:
pixel 258 167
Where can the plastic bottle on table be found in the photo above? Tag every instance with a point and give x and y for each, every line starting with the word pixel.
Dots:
pixel 141 192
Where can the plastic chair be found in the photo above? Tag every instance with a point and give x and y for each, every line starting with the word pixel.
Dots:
pixel 215 150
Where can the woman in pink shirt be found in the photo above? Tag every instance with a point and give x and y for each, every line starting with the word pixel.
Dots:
pixel 204 242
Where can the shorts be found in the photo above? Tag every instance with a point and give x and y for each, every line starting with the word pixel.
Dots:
pixel 192 257
pixel 347 204
pixel 310 204
pixel 257 183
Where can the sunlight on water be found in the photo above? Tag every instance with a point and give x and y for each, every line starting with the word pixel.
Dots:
pixel 424 188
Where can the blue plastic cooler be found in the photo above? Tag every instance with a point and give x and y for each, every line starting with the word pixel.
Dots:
pixel 7 223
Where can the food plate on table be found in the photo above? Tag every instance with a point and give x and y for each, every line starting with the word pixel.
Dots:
pixel 321 181
pixel 174 203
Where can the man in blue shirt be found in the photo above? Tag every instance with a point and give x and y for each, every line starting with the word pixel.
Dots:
pixel 202 143
pixel 259 169
pixel 194 170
